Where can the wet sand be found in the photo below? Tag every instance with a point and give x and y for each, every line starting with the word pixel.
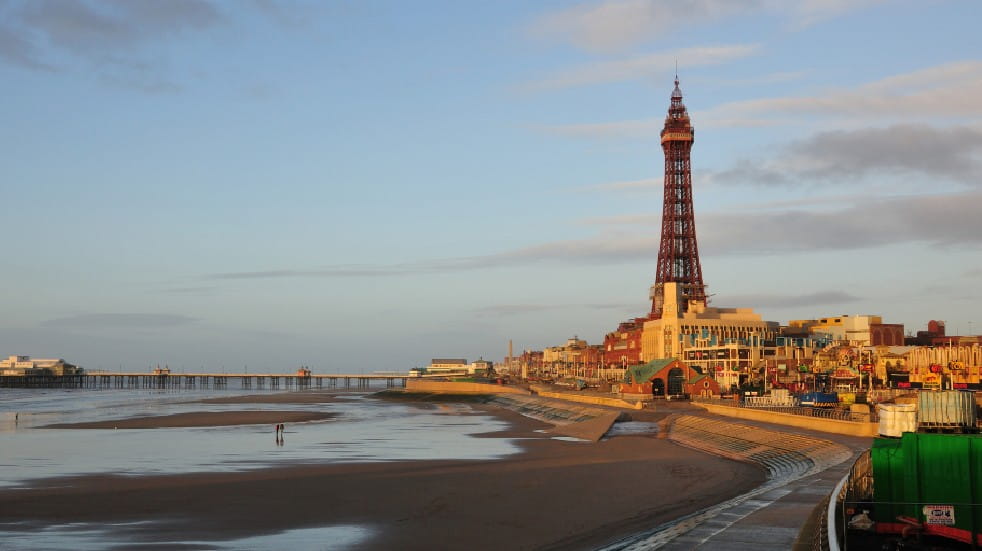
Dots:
pixel 200 419
pixel 305 397
pixel 554 495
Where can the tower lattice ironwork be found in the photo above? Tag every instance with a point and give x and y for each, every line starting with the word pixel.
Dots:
pixel 678 254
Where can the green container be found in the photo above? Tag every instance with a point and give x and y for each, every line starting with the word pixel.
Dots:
pixel 928 469
pixel 887 457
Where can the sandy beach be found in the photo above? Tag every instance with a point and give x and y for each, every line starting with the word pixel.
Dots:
pixel 554 495
pixel 305 397
pixel 200 419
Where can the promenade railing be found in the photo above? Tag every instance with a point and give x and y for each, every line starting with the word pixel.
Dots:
pixel 837 413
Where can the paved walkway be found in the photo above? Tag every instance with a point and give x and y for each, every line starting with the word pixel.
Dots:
pixel 803 468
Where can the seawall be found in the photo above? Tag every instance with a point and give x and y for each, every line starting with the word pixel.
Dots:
pixel 586 399
pixel 835 426
pixel 447 387
pixel 569 418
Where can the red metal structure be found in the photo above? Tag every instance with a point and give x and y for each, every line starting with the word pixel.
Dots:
pixel 678 255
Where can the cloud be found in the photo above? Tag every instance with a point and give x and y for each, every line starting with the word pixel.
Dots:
pixel 119 321
pixel 844 157
pixel 902 154
pixel 820 298
pixel 616 24
pixel 756 80
pixel 109 25
pixel 648 127
pixel 118 40
pixel 949 92
pixel 16 49
pixel 934 220
pixel 952 90
pixel 503 310
pixel 942 220
pixel 643 66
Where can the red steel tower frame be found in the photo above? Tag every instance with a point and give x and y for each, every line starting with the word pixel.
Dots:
pixel 678 254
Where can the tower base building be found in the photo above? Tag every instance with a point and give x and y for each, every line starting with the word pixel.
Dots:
pixel 715 330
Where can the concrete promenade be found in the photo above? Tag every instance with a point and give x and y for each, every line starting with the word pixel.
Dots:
pixel 803 466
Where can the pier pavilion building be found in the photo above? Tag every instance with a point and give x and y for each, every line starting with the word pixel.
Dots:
pixel 22 366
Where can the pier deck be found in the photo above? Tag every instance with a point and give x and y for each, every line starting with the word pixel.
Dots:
pixel 257 381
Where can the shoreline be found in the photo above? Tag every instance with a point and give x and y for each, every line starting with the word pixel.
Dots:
pixel 200 419
pixel 552 494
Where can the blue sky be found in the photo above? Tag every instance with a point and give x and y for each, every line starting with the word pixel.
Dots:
pixel 367 185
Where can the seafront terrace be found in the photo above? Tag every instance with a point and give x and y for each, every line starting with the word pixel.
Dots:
pixel 244 381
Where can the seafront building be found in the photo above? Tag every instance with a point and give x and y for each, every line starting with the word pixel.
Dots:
pixel 573 357
pixel 710 329
pixel 863 330
pixel 23 366
pixel 454 366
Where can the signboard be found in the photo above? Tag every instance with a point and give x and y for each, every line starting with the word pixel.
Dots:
pixel 960 386
pixel 939 514
pixel 903 385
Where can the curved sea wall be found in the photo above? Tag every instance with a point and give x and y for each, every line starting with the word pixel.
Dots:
pixel 570 418
pixel 781 453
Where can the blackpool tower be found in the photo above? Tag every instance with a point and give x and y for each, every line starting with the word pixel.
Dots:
pixel 678 254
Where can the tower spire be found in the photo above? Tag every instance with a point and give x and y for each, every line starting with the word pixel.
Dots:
pixel 678 253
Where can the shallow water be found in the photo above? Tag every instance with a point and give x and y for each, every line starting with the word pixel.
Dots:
pixel 364 429
pixel 93 537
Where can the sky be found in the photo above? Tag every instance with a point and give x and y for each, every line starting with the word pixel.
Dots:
pixel 362 186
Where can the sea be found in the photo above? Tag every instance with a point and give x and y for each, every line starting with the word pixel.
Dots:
pixel 362 429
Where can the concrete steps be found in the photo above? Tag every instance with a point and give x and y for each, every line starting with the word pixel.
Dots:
pixel 568 418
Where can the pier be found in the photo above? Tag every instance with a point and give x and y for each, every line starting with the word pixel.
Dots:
pixel 190 381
